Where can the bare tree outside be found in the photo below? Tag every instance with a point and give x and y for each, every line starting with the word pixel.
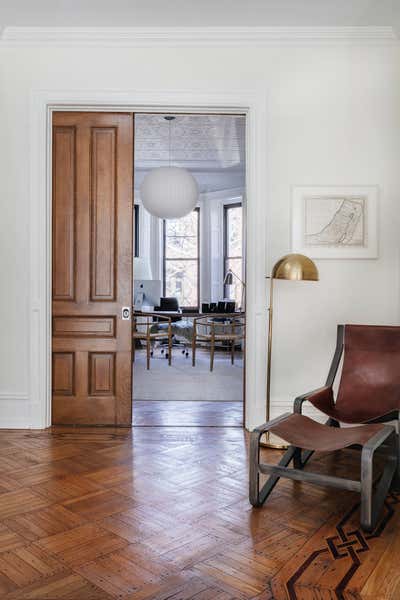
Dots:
pixel 181 239
pixel 234 250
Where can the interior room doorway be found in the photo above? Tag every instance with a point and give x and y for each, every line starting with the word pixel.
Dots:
pixel 99 233
pixel 189 274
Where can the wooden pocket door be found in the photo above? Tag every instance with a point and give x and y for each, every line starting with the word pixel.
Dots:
pixel 92 268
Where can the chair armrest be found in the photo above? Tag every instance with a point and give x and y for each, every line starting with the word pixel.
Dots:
pixel 321 398
pixel 376 440
pixel 162 317
pixel 267 426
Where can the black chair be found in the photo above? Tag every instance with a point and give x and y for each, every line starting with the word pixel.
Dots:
pixel 171 304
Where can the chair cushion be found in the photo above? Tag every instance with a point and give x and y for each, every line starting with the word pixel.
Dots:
pixel 306 433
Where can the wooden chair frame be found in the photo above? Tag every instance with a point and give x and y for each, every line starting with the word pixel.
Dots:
pixel 149 337
pixel 385 441
pixel 236 321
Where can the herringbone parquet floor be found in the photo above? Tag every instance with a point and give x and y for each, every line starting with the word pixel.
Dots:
pixel 162 513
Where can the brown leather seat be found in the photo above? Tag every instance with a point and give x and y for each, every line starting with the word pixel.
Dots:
pixel 303 432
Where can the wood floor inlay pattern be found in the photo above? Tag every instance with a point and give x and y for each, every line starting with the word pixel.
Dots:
pixel 163 514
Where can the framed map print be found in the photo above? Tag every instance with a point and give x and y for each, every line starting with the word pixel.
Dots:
pixel 335 222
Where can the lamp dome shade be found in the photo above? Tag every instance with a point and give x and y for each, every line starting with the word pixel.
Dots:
pixel 169 192
pixel 295 267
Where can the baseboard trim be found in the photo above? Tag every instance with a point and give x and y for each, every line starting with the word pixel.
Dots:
pixel 16 412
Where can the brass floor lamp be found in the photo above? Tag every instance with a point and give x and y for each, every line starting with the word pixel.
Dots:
pixel 294 267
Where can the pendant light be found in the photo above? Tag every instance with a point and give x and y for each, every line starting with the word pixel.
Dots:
pixel 169 192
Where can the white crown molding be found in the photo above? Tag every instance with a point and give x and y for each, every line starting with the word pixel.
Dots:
pixel 194 36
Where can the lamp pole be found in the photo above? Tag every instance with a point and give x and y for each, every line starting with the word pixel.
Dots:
pixel 269 354
pixel 267 443
pixel 294 267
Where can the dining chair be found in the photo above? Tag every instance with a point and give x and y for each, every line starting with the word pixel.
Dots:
pixel 144 328
pixel 228 329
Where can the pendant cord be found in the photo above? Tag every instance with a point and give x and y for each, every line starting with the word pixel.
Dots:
pixel 169 118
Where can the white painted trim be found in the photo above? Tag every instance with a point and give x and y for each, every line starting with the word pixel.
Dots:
pixel 5 396
pixel 193 36
pixel 15 411
pixel 42 103
pixel 232 194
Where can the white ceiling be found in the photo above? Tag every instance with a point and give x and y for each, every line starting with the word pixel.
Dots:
pixel 197 13
pixel 211 147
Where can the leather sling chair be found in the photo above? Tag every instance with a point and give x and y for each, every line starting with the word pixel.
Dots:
pixel 368 394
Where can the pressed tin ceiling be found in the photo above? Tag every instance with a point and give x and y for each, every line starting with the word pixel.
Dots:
pixel 211 147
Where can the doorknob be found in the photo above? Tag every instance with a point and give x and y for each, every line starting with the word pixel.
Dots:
pixel 126 313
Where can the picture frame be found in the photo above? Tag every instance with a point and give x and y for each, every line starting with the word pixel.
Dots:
pixel 335 221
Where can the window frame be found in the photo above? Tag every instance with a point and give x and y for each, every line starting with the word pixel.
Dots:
pixel 165 259
pixel 226 256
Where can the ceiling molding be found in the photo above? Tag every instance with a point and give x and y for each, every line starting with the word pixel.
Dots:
pixel 194 36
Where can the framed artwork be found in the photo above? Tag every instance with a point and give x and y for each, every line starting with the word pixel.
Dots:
pixel 335 221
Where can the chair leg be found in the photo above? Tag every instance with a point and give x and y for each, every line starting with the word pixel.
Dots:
pixel 148 350
pixel 254 475
pixel 396 478
pixel 298 459
pixel 233 352
pixel 257 497
pixel 212 352
pixel 169 350
pixel 372 501
pixel 194 351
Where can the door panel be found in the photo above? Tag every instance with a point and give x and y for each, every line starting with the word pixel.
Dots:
pixel 92 267
pixel 84 327
pixel 103 207
pixel 64 215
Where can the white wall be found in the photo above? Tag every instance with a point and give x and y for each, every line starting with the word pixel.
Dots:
pixel 212 223
pixel 333 118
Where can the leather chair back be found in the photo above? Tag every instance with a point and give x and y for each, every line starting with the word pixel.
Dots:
pixel 370 381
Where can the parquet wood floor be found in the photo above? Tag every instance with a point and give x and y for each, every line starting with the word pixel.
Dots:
pixel 187 413
pixel 162 514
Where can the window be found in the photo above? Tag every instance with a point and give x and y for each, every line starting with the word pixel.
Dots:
pixel 233 242
pixel 181 259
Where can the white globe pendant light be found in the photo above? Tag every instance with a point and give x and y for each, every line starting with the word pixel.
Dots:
pixel 169 192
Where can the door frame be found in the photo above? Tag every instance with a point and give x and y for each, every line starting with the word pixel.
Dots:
pixel 42 105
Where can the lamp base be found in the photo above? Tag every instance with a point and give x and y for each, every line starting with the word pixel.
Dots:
pixel 268 444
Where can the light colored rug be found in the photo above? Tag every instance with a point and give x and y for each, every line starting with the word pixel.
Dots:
pixel 181 381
